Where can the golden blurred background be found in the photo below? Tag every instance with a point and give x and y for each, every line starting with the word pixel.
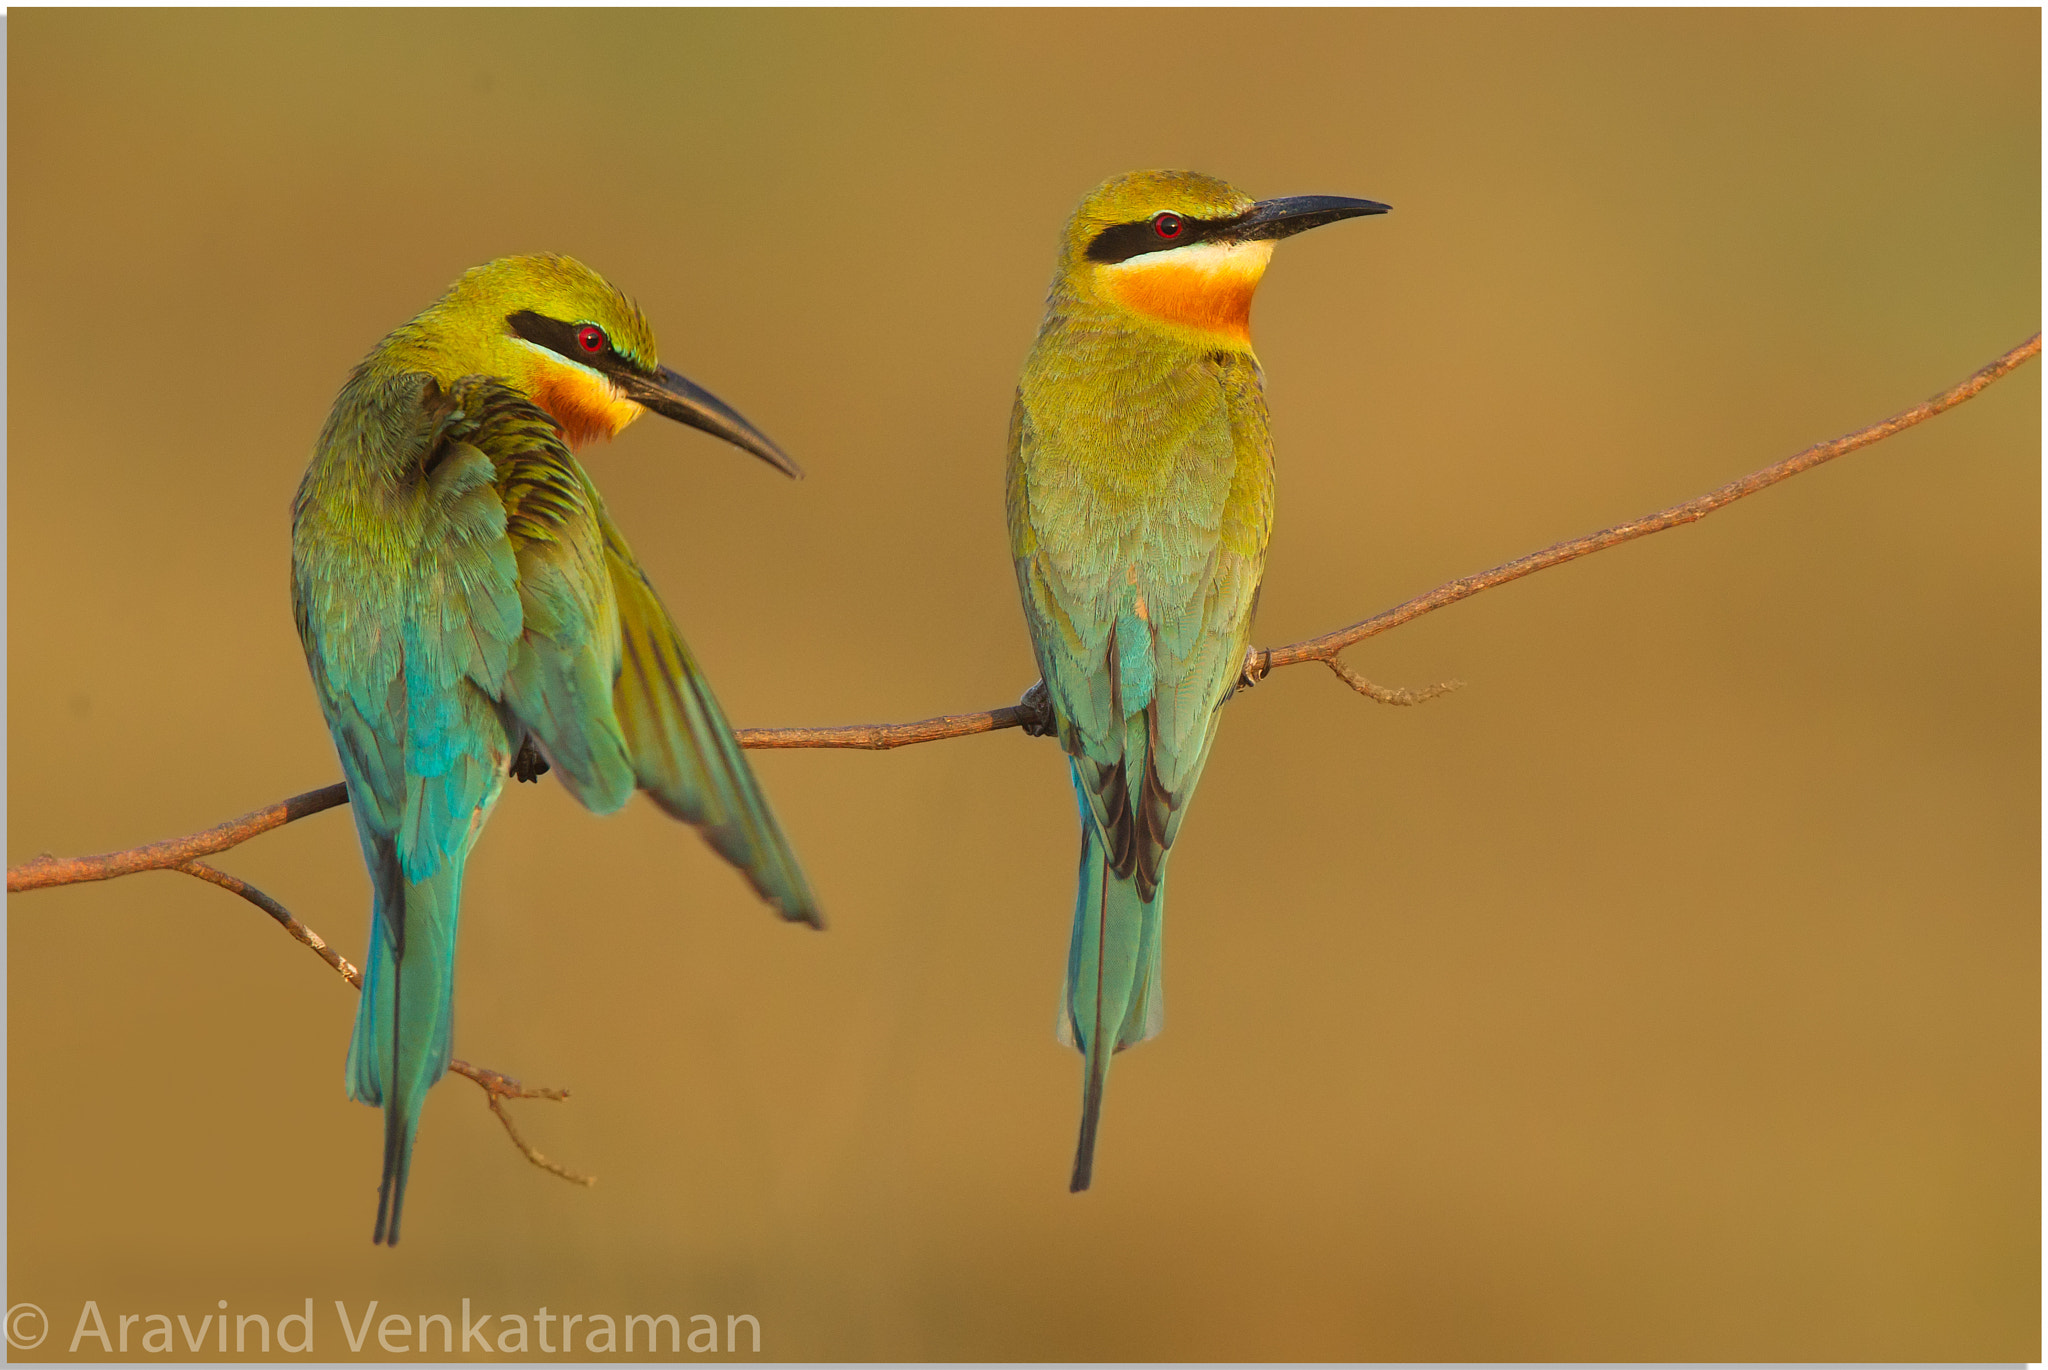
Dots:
pixel 1669 993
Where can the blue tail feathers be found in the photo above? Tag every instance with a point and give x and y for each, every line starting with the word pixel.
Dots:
pixel 404 1028
pixel 1113 994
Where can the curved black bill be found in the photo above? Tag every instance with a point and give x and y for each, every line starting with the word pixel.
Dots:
pixel 679 398
pixel 1292 214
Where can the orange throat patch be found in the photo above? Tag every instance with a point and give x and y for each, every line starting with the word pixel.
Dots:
pixel 1208 286
pixel 583 405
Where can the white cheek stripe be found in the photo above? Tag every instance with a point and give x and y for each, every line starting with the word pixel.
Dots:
pixel 560 360
pixel 1202 257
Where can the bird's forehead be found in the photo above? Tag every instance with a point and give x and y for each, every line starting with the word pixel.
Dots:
pixel 1142 194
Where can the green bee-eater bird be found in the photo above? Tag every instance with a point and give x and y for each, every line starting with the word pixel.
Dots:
pixel 470 611
pixel 1140 498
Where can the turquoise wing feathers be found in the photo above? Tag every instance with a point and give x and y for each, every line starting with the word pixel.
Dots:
pixel 409 641
pixel 482 601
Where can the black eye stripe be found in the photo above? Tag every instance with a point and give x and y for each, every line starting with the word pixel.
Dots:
pixel 557 336
pixel 1121 242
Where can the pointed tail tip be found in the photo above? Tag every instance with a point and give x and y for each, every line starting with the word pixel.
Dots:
pixel 796 908
pixel 386 1233
pixel 1084 1149
pixel 387 1223
pixel 1084 1156
pixel 391 1191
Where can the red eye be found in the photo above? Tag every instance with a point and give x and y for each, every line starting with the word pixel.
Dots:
pixel 1168 225
pixel 591 339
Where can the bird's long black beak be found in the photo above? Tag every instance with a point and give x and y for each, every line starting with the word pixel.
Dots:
pixel 1292 214
pixel 682 399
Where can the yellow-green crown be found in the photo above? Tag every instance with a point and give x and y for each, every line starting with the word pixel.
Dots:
pixel 470 320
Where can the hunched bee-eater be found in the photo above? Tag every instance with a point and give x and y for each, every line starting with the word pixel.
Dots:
pixel 470 611
pixel 1140 496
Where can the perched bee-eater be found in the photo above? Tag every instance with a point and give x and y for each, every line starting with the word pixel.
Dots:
pixel 1140 497
pixel 470 611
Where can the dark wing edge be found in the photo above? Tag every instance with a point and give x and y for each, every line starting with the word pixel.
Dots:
pixel 683 751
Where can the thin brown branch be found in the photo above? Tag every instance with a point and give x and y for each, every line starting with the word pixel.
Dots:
pixel 500 1086
pixel 214 875
pixel 1327 646
pixel 533 1153
pixel 172 853
pixel 883 737
pixel 495 1085
pixel 1388 694
pixel 496 1088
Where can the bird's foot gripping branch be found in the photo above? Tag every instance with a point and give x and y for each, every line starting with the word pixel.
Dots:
pixel 1032 713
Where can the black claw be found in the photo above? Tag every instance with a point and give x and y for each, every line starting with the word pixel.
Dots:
pixel 1254 671
pixel 1037 708
pixel 529 766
